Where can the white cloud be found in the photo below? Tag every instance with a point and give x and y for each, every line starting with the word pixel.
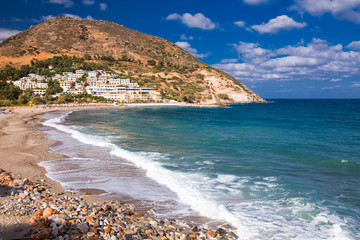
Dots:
pixel 103 6
pixel 292 61
pixel 48 17
pixel 355 45
pixel 184 37
pixel 229 61
pixel 88 2
pixel 45 18
pixel 193 21
pixel 240 23
pixel 251 52
pixel 255 2
pixel 173 16
pixel 331 87
pixel 345 9
pixel 66 3
pixel 355 84
pixel 187 47
pixel 71 15
pixel 5 33
pixel 318 60
pixel 335 80
pixel 277 24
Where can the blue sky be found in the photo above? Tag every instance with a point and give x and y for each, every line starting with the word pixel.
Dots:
pixel 278 48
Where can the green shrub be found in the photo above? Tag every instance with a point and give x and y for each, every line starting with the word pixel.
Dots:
pixel 37 100
pixel 6 102
pixel 223 96
pixel 23 99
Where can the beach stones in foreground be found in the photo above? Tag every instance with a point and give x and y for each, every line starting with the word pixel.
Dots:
pixel 65 217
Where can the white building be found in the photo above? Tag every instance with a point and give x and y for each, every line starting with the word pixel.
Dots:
pixel 109 86
pixel 39 92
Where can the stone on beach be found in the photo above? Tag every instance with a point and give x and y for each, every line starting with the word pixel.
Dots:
pixel 83 227
pixel 66 216
pixel 48 212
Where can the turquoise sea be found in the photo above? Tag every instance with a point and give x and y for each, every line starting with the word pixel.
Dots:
pixel 289 169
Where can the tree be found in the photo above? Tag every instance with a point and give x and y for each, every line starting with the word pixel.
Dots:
pixel 7 73
pixel 9 91
pixel 45 72
pixel 63 99
pixel 23 99
pixel 87 57
pixel 151 62
pixel 53 87
pixel 29 93
pixel 124 57
pixel 223 96
pixel 37 100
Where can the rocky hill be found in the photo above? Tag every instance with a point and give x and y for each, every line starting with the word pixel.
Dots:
pixel 149 60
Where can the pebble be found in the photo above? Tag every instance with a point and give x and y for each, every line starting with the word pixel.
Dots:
pixel 83 227
pixel 65 217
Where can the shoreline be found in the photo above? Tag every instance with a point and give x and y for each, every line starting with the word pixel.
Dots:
pixel 19 137
pixel 24 146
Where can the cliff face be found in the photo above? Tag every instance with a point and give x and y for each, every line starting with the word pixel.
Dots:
pixel 153 61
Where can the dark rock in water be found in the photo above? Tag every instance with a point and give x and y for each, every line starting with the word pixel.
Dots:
pixel 226 226
pixel 231 234
pixel 220 232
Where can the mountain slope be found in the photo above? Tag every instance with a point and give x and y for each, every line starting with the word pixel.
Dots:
pixel 152 61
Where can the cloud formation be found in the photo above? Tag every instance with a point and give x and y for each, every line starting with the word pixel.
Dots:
pixel 77 16
pixel 240 23
pixel 277 24
pixel 355 45
pixel 355 84
pixel 318 60
pixel 88 2
pixel 66 3
pixel 345 9
pixel 103 6
pixel 229 60
pixel 45 18
pixel 193 21
pixel 187 47
pixel 5 33
pixel 331 87
pixel 48 17
pixel 335 80
pixel 184 37
pixel 255 2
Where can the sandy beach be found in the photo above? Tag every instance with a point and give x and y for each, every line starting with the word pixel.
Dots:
pixel 22 147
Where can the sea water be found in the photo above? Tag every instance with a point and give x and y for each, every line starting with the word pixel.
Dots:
pixel 289 169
